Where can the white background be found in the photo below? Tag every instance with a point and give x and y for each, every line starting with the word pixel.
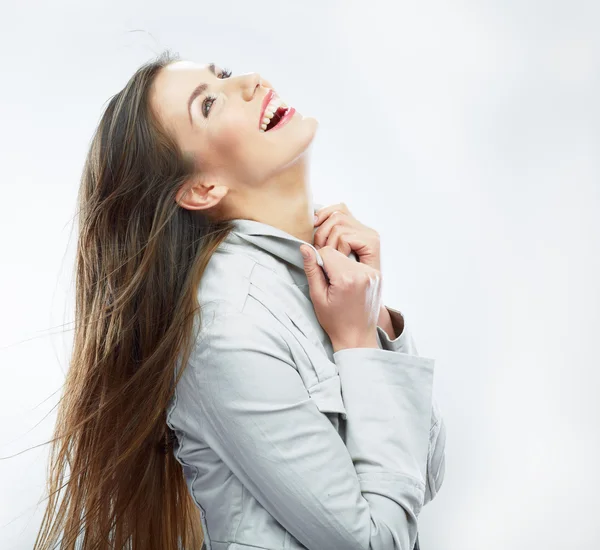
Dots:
pixel 467 133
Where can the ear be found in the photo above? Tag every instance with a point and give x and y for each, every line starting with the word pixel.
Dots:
pixel 200 196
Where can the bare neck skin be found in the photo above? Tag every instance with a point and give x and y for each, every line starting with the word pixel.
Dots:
pixel 284 202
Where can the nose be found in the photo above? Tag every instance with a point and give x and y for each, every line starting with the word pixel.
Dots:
pixel 249 83
pixel 246 83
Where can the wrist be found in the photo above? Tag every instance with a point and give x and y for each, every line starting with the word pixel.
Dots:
pixel 368 342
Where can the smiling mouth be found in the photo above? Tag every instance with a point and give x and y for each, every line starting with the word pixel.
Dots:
pixel 276 118
pixel 270 118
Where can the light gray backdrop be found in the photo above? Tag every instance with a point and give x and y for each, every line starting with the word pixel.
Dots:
pixel 467 133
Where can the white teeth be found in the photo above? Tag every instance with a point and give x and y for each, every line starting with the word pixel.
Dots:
pixel 273 105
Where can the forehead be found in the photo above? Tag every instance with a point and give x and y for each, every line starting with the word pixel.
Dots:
pixel 173 85
pixel 176 80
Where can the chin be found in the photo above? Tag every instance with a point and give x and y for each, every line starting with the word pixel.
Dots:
pixel 309 129
pixel 312 120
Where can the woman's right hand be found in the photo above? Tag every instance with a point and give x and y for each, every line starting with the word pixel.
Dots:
pixel 348 305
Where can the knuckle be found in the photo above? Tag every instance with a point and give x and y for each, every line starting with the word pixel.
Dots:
pixel 371 274
pixel 347 280
pixel 367 278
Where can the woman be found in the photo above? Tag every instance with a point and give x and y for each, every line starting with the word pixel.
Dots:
pixel 212 414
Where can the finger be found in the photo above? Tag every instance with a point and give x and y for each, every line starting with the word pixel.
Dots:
pixel 344 246
pixel 333 237
pixel 322 234
pixel 324 212
pixel 336 240
pixel 334 264
pixel 314 273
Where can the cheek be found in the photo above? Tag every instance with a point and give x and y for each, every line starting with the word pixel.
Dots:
pixel 234 137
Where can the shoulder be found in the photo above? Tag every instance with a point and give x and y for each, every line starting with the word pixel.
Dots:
pixel 225 283
pixel 234 335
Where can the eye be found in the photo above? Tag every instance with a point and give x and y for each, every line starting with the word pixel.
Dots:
pixel 210 99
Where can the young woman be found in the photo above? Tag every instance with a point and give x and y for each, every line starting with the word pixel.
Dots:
pixel 224 391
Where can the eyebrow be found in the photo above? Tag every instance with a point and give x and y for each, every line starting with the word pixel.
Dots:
pixel 199 90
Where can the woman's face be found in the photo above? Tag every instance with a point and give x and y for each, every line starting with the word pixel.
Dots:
pixel 220 126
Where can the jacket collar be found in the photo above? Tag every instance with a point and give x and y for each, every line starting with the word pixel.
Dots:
pixel 278 243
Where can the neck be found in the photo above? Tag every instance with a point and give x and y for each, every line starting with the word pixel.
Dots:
pixel 284 201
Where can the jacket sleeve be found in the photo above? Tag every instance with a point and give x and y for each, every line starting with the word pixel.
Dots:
pixel 260 419
pixel 436 454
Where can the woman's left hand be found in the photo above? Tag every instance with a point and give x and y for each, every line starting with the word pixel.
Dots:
pixel 342 231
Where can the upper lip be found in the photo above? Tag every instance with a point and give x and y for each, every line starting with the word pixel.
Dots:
pixel 268 97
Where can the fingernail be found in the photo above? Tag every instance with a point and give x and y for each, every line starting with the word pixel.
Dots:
pixel 316 218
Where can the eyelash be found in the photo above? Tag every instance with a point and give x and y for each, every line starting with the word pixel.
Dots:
pixel 225 73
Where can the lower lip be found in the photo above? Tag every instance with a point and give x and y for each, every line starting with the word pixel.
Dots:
pixel 286 118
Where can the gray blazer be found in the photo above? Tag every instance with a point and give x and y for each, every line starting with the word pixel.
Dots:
pixel 284 444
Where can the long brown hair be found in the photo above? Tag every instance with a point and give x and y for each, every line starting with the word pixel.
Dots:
pixel 140 257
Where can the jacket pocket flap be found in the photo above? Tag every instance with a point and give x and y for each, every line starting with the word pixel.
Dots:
pixel 328 395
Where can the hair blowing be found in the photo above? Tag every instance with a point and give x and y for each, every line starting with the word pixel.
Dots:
pixel 140 257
